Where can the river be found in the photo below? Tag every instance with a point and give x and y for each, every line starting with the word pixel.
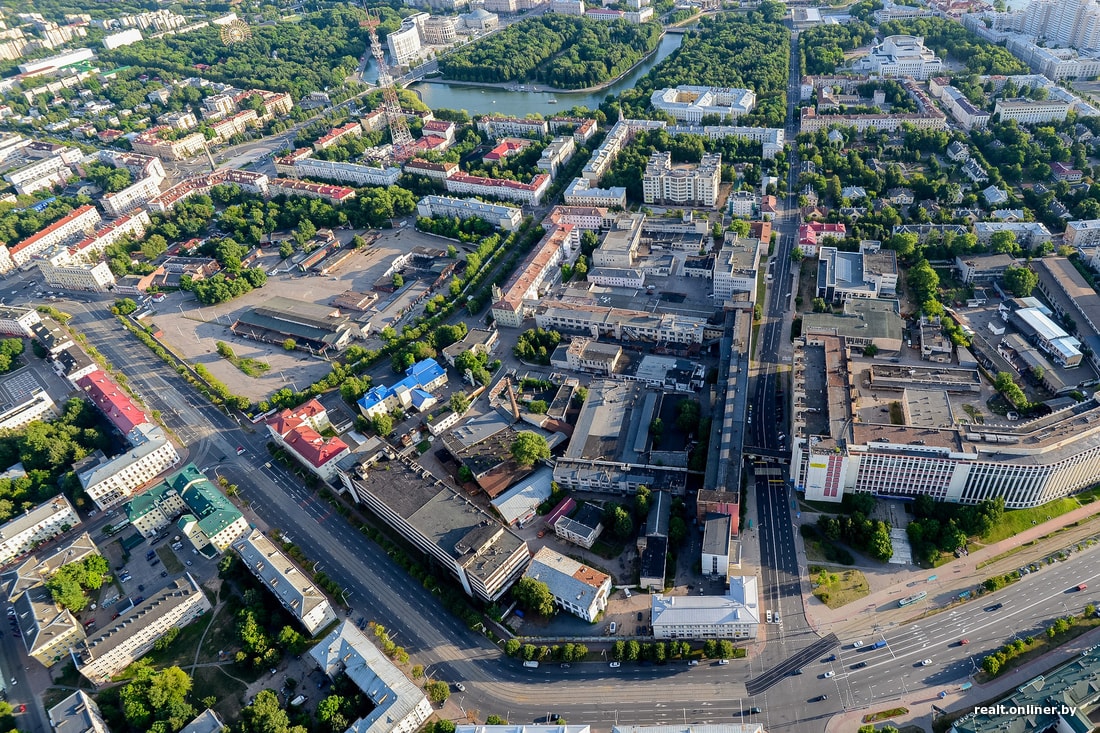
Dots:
pixel 478 100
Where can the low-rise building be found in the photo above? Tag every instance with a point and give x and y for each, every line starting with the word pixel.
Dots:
pixel 195 506
pixel 735 615
pixel 207 721
pixel 293 588
pixel 477 340
pixel 132 634
pixel 399 705
pixel 901 56
pixel 583 528
pixel 292 187
pixel 813 234
pixel 414 391
pixel 37 525
pixel 582 192
pixel 502 188
pixel 864 321
pixel 299 429
pixel 576 588
pixel 865 274
pixel 1029 234
pixel 718 530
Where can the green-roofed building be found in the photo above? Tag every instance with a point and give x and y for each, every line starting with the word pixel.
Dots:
pixel 1056 701
pixel 194 505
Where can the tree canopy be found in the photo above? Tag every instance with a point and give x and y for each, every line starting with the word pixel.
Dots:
pixel 529 448
pixel 534 595
pixel 69 583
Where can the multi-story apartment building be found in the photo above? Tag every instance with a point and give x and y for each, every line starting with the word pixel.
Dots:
pixel 275 103
pixel 81 220
pixel 577 588
pixel 736 266
pixel 192 504
pixel 684 185
pixel 156 142
pixel 811 121
pixel 293 187
pixel 556 154
pixel 77 713
pixel 45 173
pixel 414 391
pixel 49 631
pixel 503 217
pixel 811 236
pixel 293 588
pixel 691 103
pixel 16 321
pixel 86 276
pixel 1083 232
pixel 132 634
pixel 354 173
pixel 132 197
pixel 115 405
pixel 235 124
pixel 404 43
pixel 39 524
pixel 108 481
pixel 1030 111
pixel 527 193
pixel 619 323
pixel 336 134
pixel 957 105
pixel 582 192
pixel 132 226
pixel 505 126
pixel 399 706
pixel 201 185
pixel 1029 234
pixel 556 246
pixel 735 615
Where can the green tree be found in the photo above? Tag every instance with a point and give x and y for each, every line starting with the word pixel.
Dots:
pixel 265 715
pixel 534 595
pixel 329 712
pixel 438 691
pixel 382 424
pixel 725 648
pixel 1020 280
pixel 459 402
pixel 538 407
pixel 528 448
pixel 290 344
pixel 622 526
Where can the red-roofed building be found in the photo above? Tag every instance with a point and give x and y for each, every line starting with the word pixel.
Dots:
pixel 351 129
pixel 115 404
pixel 810 235
pixel 294 187
pixel 555 247
pixel 1063 172
pixel 440 128
pixel 506 148
pixel 436 171
pixel 82 220
pixel 528 193
pixel 299 431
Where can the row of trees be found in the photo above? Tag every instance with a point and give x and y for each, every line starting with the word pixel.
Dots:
pixel 18 221
pixel 563 51
pixel 536 345
pixel 530 652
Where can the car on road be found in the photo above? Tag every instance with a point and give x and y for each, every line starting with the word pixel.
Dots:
pixel 964 642
pixel 859 665
pixel 830 658
pixel 693 663
pixel 820 698
pixel 460 687
pixel 829 674
pixel 723 662
pixel 612 627
pixel 752 710
pixel 566 666
pixel 240 450
pixel 994 607
pixel 639 615
pixel 188 563
pixel 925 662
pixel 22 709
pixel 857 644
pixel 615 665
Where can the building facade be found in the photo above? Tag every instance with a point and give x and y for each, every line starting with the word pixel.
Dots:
pixel 39 524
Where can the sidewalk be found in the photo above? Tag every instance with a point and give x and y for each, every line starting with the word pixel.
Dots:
pixel 951 579
pixel 920 702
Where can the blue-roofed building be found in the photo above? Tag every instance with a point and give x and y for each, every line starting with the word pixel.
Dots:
pixel 414 391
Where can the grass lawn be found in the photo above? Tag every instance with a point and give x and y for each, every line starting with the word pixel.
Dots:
pixel 840 588
pixel 884 715
pixel 213 682
pixel 1016 521
pixel 814 550
pixel 171 562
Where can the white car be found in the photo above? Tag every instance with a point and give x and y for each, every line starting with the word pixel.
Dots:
pixel 926 662
pixel 830 673
pixel 615 665
pixel 857 644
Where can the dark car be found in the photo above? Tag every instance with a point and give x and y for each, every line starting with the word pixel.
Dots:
pixel 820 698
pixel 795 672
pixel 994 607
pixel 639 615
pixel 859 665
pixel 830 658
pixel 753 710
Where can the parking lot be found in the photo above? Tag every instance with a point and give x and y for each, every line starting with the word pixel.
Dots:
pixel 192 330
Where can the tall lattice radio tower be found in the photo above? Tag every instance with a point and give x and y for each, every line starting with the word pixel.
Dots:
pixel 391 106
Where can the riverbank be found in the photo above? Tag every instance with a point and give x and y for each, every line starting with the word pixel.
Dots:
pixel 515 86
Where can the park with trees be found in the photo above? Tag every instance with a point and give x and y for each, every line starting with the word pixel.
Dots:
pixel 562 51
